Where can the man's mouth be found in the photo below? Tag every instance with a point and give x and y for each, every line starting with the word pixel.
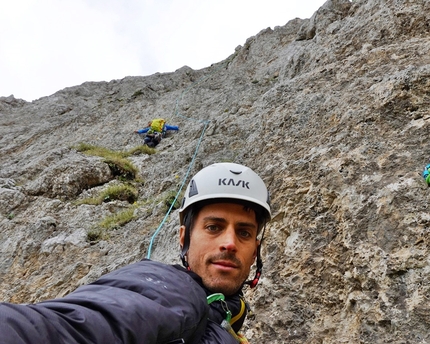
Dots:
pixel 225 264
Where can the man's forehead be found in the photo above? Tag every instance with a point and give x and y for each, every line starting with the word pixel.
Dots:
pixel 227 209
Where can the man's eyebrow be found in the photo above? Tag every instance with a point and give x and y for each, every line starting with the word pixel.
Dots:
pixel 214 218
pixel 222 220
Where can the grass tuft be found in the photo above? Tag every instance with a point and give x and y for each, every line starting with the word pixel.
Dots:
pixel 96 234
pixel 170 198
pixel 117 161
pixel 142 149
pixel 119 219
pixel 122 192
pixel 121 167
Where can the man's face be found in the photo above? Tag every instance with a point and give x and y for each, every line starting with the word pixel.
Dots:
pixel 223 246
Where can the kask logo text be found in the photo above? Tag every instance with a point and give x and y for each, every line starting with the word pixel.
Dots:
pixel 232 182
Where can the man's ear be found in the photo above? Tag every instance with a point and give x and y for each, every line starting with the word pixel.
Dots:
pixel 182 235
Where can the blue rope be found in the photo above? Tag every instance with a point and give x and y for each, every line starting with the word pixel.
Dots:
pixel 178 193
pixel 206 122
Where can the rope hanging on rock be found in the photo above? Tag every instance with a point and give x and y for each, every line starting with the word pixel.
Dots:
pixel 206 123
pixel 179 191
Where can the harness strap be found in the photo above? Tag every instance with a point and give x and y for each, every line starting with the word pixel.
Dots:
pixel 240 314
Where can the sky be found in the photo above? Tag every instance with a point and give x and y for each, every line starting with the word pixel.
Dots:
pixel 47 45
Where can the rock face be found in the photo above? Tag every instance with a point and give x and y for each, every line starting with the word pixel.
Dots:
pixel 333 113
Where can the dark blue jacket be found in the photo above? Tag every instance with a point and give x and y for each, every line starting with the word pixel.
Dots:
pixel 146 302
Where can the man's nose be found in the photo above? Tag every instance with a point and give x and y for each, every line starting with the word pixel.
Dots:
pixel 228 240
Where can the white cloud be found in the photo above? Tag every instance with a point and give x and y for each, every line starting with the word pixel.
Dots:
pixel 46 45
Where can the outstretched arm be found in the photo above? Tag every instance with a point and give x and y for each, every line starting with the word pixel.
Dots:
pixel 140 303
pixel 171 127
pixel 142 131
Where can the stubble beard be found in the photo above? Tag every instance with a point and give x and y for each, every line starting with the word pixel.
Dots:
pixel 224 282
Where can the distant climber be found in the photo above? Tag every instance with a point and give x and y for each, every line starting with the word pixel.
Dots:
pixel 155 131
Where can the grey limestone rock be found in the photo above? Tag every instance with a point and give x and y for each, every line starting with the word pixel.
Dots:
pixel 333 113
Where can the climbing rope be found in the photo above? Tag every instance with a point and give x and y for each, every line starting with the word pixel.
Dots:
pixel 202 79
pixel 178 193
pixel 206 123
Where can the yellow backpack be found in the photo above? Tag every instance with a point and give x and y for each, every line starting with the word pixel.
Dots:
pixel 157 125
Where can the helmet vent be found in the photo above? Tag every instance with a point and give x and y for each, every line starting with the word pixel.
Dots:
pixel 193 189
pixel 236 172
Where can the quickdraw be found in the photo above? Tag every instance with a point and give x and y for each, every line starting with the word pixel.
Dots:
pixel 225 324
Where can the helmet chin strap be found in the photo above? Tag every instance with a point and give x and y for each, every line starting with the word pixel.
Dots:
pixel 253 283
pixel 185 248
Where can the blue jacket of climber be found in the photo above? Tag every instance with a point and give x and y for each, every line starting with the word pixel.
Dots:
pixel 157 125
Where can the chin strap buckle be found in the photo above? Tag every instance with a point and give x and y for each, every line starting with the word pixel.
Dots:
pixel 254 282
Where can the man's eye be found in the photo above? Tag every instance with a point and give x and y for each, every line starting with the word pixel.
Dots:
pixel 212 228
pixel 245 234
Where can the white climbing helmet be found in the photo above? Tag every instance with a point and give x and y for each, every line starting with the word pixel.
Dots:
pixel 226 181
